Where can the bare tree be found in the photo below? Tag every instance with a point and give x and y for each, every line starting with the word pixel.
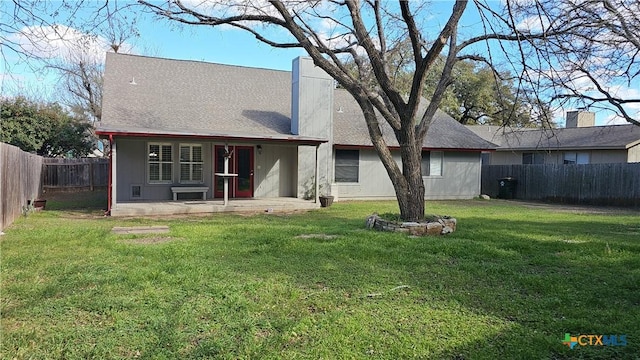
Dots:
pixel 351 36
pixel 50 36
pixel 82 68
pixel 589 56
pixel 366 33
pixel 551 45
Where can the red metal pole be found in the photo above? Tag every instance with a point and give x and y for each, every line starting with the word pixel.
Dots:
pixel 109 194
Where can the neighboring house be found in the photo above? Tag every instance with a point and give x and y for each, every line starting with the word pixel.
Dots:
pixel 171 123
pixel 579 143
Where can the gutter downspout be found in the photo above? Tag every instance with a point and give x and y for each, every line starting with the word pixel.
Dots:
pixel 109 194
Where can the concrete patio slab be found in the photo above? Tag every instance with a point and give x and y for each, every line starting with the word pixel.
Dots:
pixel 269 205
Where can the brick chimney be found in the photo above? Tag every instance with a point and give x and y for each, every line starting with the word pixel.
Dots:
pixel 580 118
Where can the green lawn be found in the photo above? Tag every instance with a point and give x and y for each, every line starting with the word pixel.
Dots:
pixel 508 284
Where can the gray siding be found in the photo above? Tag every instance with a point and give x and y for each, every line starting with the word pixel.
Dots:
pixel 131 163
pixel 460 178
pixel 312 115
pixel 557 157
pixel 275 171
pixel 608 156
pixel 275 168
pixel 634 154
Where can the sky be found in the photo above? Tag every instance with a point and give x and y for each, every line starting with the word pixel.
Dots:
pixel 201 43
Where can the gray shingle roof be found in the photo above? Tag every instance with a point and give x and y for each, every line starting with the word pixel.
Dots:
pixel 444 133
pixel 594 137
pixel 184 98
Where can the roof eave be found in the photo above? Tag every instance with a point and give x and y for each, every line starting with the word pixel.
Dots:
pixel 632 144
pixel 276 139
pixel 358 146
pixel 562 148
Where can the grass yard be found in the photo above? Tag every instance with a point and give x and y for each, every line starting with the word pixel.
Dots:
pixel 508 284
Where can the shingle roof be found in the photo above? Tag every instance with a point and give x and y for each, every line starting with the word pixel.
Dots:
pixel 190 97
pixel 594 137
pixel 444 133
pixel 183 98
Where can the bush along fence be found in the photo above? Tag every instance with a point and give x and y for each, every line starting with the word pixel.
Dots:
pixel 20 181
pixel 597 184
pixel 75 173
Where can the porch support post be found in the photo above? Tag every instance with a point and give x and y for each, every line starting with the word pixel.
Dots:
pixel 226 171
pixel 317 183
pixel 114 175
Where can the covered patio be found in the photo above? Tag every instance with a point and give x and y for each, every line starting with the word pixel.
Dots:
pixel 268 205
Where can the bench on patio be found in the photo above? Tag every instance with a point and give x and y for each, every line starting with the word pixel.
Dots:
pixel 189 189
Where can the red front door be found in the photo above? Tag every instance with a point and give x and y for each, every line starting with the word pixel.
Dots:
pixel 241 163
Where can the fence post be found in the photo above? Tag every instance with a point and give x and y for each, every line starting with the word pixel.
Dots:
pixel 91 176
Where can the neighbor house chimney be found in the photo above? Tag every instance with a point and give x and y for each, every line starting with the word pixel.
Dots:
pixel 580 118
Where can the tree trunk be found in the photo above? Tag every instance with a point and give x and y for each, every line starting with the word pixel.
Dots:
pixel 407 183
pixel 411 201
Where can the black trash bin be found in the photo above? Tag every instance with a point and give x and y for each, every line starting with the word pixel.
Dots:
pixel 507 188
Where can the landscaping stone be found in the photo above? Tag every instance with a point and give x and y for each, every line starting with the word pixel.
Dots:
pixel 441 225
pixel 371 220
pixel 434 228
pixel 485 197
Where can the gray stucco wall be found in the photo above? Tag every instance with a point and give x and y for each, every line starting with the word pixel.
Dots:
pixel 460 178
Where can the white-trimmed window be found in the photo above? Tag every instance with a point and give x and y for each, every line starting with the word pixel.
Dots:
pixel 576 158
pixel 160 162
pixel 347 166
pixel 432 163
pixel 532 158
pixel 191 163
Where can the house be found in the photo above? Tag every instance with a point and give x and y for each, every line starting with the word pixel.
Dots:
pixel 182 129
pixel 580 142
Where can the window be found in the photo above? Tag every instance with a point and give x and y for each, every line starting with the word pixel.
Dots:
pixel 190 163
pixel 160 162
pixel 485 158
pixel 432 163
pixel 532 158
pixel 347 165
pixel 576 158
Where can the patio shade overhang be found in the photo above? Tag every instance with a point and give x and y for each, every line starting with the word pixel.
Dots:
pixel 107 132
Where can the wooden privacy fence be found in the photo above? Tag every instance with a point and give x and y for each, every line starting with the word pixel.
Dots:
pixel 598 184
pixel 20 180
pixel 75 173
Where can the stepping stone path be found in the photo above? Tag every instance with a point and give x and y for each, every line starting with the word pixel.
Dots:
pixel 161 229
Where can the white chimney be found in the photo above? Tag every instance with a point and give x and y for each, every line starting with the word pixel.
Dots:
pixel 580 118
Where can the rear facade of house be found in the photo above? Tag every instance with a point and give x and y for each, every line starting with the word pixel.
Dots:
pixel 179 128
